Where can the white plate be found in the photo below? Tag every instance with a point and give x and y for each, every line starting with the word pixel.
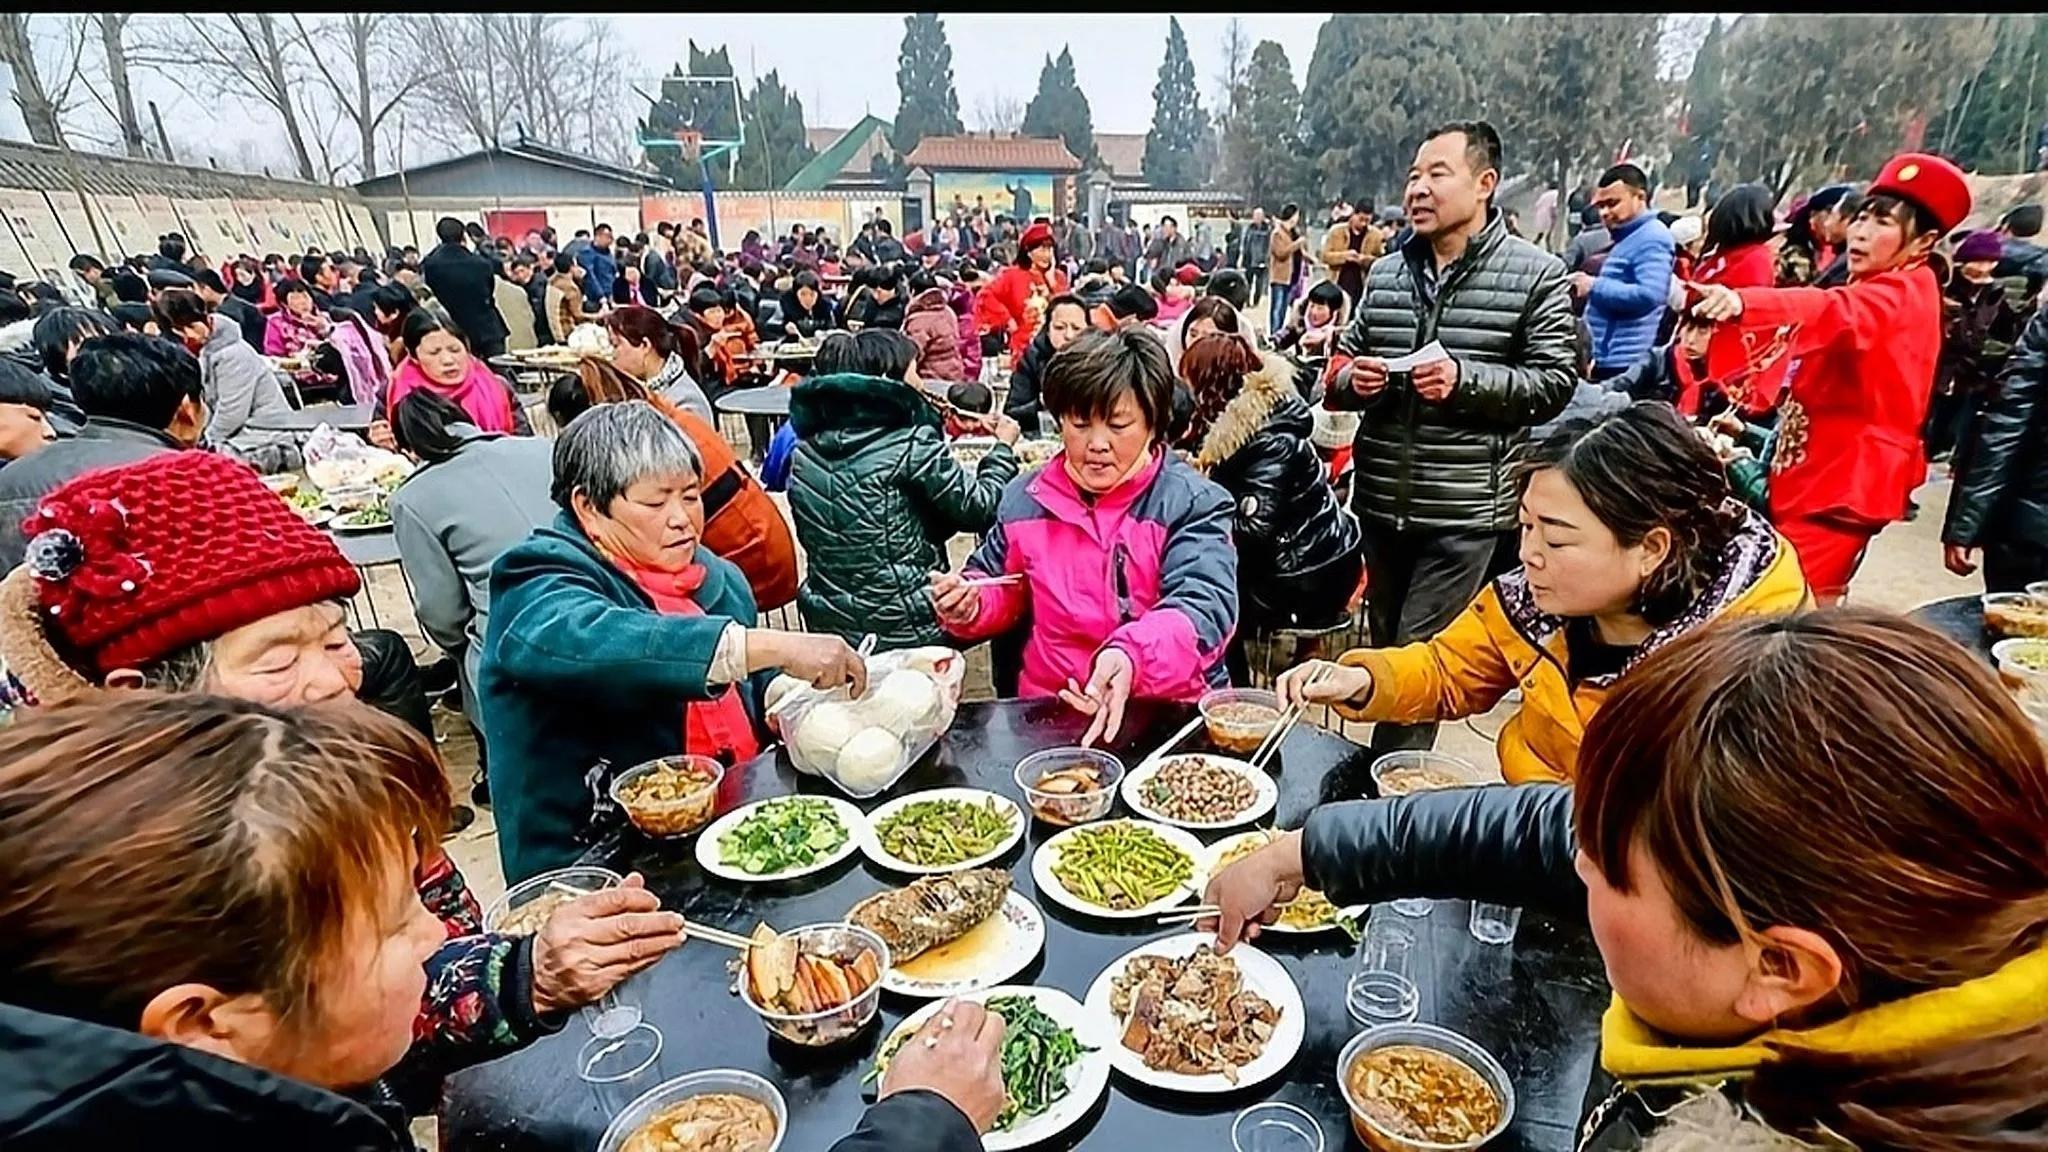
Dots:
pixel 1214 864
pixel 1268 792
pixel 707 843
pixel 872 842
pixel 1087 1080
pixel 1262 974
pixel 1021 928
pixel 1049 885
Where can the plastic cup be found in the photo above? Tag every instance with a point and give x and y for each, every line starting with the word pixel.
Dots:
pixel 1275 1127
pixel 619 1069
pixel 1494 923
pixel 1382 989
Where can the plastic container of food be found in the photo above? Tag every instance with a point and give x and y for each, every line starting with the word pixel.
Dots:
pixel 1437 1039
pixel 2016 614
pixel 1056 804
pixel 1240 719
pixel 527 905
pixel 1403 773
pixel 821 1029
pixel 2022 664
pixel 675 812
pixel 350 497
pixel 716 1081
pixel 2038 589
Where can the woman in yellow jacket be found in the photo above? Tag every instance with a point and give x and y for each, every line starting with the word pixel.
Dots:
pixel 1630 538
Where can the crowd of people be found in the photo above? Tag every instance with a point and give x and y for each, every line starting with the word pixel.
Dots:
pixel 1628 484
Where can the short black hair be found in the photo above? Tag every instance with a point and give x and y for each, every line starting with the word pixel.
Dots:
pixel 1169 220
pixel 132 377
pixel 85 263
pixel 1625 173
pixel 1088 377
pixel 59 328
pixel 210 280
pixel 292 285
pixel 706 297
pixel 132 317
pixel 1911 213
pixel 1133 301
pixel 129 288
pixel 884 352
pixel 1231 285
pixel 835 354
pixel 1743 215
pixel 805 278
pixel 1482 143
pixel 448 230
pixel 310 265
pixel 18 385
pixel 1327 294
pixel 1095 267
pixel 601 228
pixel 883 226
pixel 171 246
pixel 177 307
pixel 2023 221
pixel 971 396
pixel 921 280
pixel 161 278
pixel 563 262
pixel 1289 209
pixel 13 306
pixel 420 424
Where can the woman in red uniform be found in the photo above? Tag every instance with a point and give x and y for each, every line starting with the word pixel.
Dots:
pixel 1860 363
pixel 1015 303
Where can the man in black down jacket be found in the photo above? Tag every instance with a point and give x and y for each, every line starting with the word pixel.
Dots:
pixel 1432 463
pixel 466 285
pixel 2000 501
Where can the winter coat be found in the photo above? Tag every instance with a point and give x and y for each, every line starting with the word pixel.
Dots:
pixel 515 312
pixel 2001 486
pixel 1014 303
pixel 102 442
pixel 1298 555
pixel 578 667
pixel 1023 403
pixel 1515 846
pixel 1747 266
pixel 675 384
pixel 1978 330
pixel 241 387
pixel 1861 360
pixel 1284 254
pixel 1627 299
pixel 961 301
pixel 931 323
pixel 1588 250
pixel 453 519
pixel 876 494
pixel 2022 270
pixel 248 317
pixel 823 316
pixel 1148 567
pixel 1095 290
pixel 1503 312
pixel 465 284
pixel 600 272
pixel 1503 641
pixel 1590 401
pixel 1338 243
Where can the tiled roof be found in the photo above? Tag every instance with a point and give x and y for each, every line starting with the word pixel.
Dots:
pixel 1124 152
pixel 993 154
pixel 847 153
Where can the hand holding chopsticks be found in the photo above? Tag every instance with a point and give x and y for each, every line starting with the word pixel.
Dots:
pixel 717 936
pixel 1270 746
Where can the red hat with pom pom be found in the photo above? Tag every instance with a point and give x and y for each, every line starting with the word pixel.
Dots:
pixel 1929 181
pixel 135 563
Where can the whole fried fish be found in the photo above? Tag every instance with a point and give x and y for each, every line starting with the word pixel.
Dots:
pixel 932 911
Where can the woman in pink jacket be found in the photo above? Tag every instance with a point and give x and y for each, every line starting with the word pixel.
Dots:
pixel 1130 575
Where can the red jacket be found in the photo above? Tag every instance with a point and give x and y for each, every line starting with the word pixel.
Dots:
pixel 1015 302
pixel 1860 366
pixel 1749 266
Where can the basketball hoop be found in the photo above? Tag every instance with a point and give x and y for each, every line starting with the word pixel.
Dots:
pixel 692 144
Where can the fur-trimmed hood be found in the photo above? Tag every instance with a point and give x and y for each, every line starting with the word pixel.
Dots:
pixel 27 657
pixel 845 410
pixel 1267 396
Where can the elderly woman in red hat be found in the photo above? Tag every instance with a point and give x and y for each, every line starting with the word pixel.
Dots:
pixel 1860 359
pixel 1015 302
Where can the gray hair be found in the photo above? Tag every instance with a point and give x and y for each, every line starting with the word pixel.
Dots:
pixel 185 670
pixel 610 447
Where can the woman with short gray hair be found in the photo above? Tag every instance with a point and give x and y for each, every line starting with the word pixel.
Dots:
pixel 615 638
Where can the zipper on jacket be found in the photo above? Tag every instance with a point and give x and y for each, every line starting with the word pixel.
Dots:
pixel 1119 559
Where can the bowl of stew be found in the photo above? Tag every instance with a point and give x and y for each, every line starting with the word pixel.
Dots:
pixel 1421 1088
pixel 1240 719
pixel 720 1108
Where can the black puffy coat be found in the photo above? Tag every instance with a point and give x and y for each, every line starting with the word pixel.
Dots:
pixel 1503 312
pixel 823 315
pixel 2001 488
pixel 869 312
pixel 1298 550
pixel 1023 403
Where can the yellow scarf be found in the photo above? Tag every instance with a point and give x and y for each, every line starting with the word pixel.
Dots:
pixel 2005 1001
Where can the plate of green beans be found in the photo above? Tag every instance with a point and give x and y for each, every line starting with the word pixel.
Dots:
pixel 1120 869
pixel 943 830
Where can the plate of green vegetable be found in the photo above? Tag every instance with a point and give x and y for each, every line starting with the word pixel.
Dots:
pixel 1056 1060
pixel 1120 869
pixel 943 830
pixel 781 838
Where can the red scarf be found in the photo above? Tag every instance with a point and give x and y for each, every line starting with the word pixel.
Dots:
pixel 718 728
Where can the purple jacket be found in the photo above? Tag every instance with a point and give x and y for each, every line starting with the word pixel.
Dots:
pixel 1148 568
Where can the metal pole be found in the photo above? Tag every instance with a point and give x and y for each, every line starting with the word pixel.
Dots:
pixel 2027 121
pixel 710 200
pixel 404 185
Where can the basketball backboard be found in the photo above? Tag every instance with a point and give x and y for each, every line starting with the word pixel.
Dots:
pixel 679 105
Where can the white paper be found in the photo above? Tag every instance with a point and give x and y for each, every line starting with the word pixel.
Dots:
pixel 1429 353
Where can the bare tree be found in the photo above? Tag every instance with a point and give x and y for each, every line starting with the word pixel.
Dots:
pixel 252 52
pixel 377 70
pixel 471 61
pixel 113 27
pixel 1237 58
pixel 998 112
pixel 46 70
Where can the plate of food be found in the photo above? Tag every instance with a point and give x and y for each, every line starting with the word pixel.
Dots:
pixel 1189 1020
pixel 2016 614
pixel 1309 911
pixel 953 934
pixel 1055 1059
pixel 375 518
pixel 780 839
pixel 1201 791
pixel 943 830
pixel 1119 869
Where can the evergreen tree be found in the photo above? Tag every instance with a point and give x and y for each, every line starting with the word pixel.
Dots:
pixel 707 109
pixel 776 145
pixel 1061 109
pixel 1992 125
pixel 926 103
pixel 1178 123
pixel 1263 158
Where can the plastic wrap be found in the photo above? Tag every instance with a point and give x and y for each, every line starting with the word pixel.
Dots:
pixel 865 746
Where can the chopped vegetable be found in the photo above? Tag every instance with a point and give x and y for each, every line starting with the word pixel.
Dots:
pixel 1121 866
pixel 1038 1052
pixel 931 833
pixel 781 835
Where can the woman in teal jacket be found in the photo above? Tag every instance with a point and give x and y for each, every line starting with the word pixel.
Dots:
pixel 614 639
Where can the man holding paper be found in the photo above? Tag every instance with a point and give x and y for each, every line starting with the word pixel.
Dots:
pixel 1463 340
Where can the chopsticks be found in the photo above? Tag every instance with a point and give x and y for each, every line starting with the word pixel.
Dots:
pixel 1270 746
pixel 1176 738
pixel 717 936
pixel 993 581
pixel 1189 915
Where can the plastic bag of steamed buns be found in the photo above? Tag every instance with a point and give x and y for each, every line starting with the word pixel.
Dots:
pixel 865 745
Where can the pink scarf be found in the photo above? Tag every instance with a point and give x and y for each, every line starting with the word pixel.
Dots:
pixel 480 393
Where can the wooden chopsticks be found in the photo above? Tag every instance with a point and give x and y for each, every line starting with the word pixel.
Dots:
pixel 1270 746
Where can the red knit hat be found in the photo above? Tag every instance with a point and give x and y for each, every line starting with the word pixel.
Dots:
pixel 1040 233
pixel 135 563
pixel 1189 274
pixel 1929 181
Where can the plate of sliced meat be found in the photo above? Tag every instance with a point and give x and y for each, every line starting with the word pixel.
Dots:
pixel 953 934
pixel 1189 1020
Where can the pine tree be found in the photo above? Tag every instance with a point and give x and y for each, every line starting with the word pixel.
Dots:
pixel 1694 149
pixel 926 103
pixel 1263 157
pixel 776 145
pixel 1061 109
pixel 708 110
pixel 1178 123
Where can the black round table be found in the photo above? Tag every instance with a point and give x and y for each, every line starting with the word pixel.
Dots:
pixel 1960 618
pixel 367 549
pixel 1535 1004
pixel 769 401
pixel 345 417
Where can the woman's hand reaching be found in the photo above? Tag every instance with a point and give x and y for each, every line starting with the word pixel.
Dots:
pixel 1251 891
pixel 1323 682
pixel 1107 692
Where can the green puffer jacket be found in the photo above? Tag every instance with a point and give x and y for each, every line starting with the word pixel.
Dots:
pixel 876 494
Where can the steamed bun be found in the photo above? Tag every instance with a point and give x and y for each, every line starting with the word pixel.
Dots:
pixel 822 731
pixel 903 702
pixel 868 759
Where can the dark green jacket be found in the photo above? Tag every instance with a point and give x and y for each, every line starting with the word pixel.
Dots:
pixel 876 494
pixel 578 667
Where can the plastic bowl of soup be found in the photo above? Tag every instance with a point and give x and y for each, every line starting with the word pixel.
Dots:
pixel 1421 1088
pixel 1072 785
pixel 2016 614
pixel 2022 664
pixel 736 1109
pixel 1240 719
pixel 672 796
pixel 1408 772
pixel 526 906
